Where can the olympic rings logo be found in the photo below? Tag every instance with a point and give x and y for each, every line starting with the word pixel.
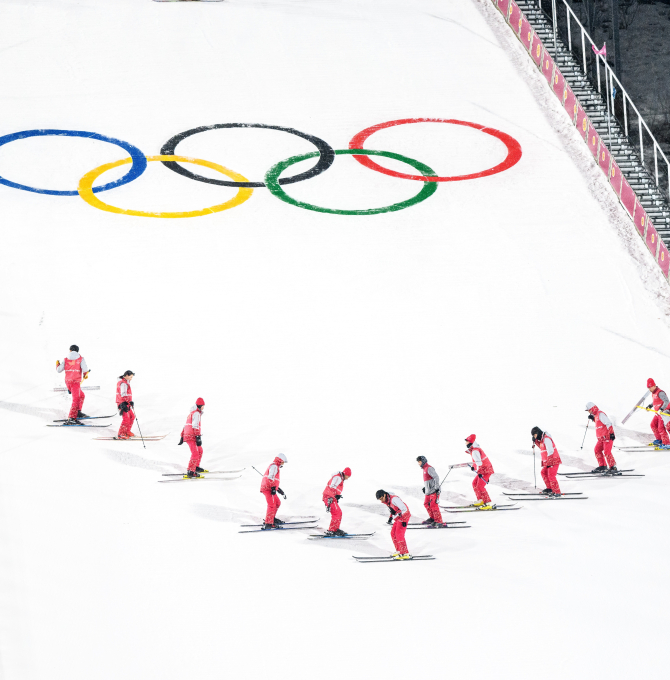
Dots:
pixel 324 156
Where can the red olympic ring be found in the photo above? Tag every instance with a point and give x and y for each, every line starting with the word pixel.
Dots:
pixel 513 150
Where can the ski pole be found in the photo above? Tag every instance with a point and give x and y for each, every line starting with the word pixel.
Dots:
pixel 139 428
pixel 534 473
pixel 278 489
pixel 445 477
pixel 585 431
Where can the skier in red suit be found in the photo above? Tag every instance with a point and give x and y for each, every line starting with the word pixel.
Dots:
pixel 605 434
pixel 659 423
pixel 76 370
pixel 192 435
pixel 482 466
pixel 270 489
pixel 550 461
pixel 331 496
pixel 431 491
pixel 400 517
pixel 125 404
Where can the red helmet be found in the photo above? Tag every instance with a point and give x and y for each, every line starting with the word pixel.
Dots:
pixel 347 472
pixel 200 401
pixel 650 382
pixel 471 439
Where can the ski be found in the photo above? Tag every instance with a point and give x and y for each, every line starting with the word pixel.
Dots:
pixel 588 472
pixel 509 506
pixel 306 521
pixel 357 536
pixel 606 475
pixel 204 472
pixel 184 478
pixel 77 424
pixel 443 525
pixel 65 389
pixel 418 524
pixel 148 438
pixel 537 493
pixel 367 560
pixel 553 498
pixel 644 448
pixel 64 420
pixel 281 528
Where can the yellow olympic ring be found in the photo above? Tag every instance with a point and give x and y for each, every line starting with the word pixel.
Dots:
pixel 85 188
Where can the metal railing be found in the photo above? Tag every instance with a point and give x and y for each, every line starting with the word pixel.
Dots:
pixel 613 87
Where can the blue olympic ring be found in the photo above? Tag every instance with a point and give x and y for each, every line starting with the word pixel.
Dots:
pixel 138 167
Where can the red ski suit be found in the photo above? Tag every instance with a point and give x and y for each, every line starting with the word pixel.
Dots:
pixel 432 492
pixel 550 462
pixel 604 429
pixel 484 470
pixel 330 493
pixel 74 366
pixel 659 424
pixel 270 482
pixel 193 429
pixel 125 394
pixel 402 515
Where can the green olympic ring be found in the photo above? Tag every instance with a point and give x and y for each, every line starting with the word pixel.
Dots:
pixel 428 189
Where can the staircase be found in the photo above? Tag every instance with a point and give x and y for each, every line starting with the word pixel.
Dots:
pixel 641 181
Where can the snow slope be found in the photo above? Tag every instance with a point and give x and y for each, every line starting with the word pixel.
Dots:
pixel 495 305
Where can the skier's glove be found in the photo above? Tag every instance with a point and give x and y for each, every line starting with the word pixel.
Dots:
pixel 198 440
pixel 423 490
pixel 390 519
pixel 86 375
pixel 181 441
pixel 612 437
pixel 404 524
pixel 592 417
pixel 273 490
pixel 472 467
pixel 123 407
pixel 650 407
pixel 131 403
pixel 57 363
pixel 338 496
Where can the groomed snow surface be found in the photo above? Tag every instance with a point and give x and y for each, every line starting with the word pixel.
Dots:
pixel 495 305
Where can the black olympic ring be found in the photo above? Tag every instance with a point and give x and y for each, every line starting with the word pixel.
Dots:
pixel 326 155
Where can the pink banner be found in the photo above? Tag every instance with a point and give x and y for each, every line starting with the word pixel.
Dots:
pixel 526 33
pixel 503 5
pixel 559 84
pixel 547 67
pixel 663 258
pixel 615 178
pixel 652 238
pixel 514 17
pixel 604 158
pixel 593 140
pixel 570 102
pixel 536 49
pixel 582 121
pixel 628 198
pixel 641 218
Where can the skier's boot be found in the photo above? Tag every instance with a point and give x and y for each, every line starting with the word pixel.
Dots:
pixel 657 442
pixel 199 469
pixel 545 492
pixel 406 556
pixel 430 520
pixel 191 474
pixel 130 435
pixel 81 415
pixel 330 533
pixel 613 471
pixel 600 468
pixel 339 532
pixel 278 522
pixel 487 506
pixel 267 527
pixel 478 504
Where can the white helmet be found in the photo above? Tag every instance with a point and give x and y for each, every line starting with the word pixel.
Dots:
pixel 282 456
pixel 589 406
